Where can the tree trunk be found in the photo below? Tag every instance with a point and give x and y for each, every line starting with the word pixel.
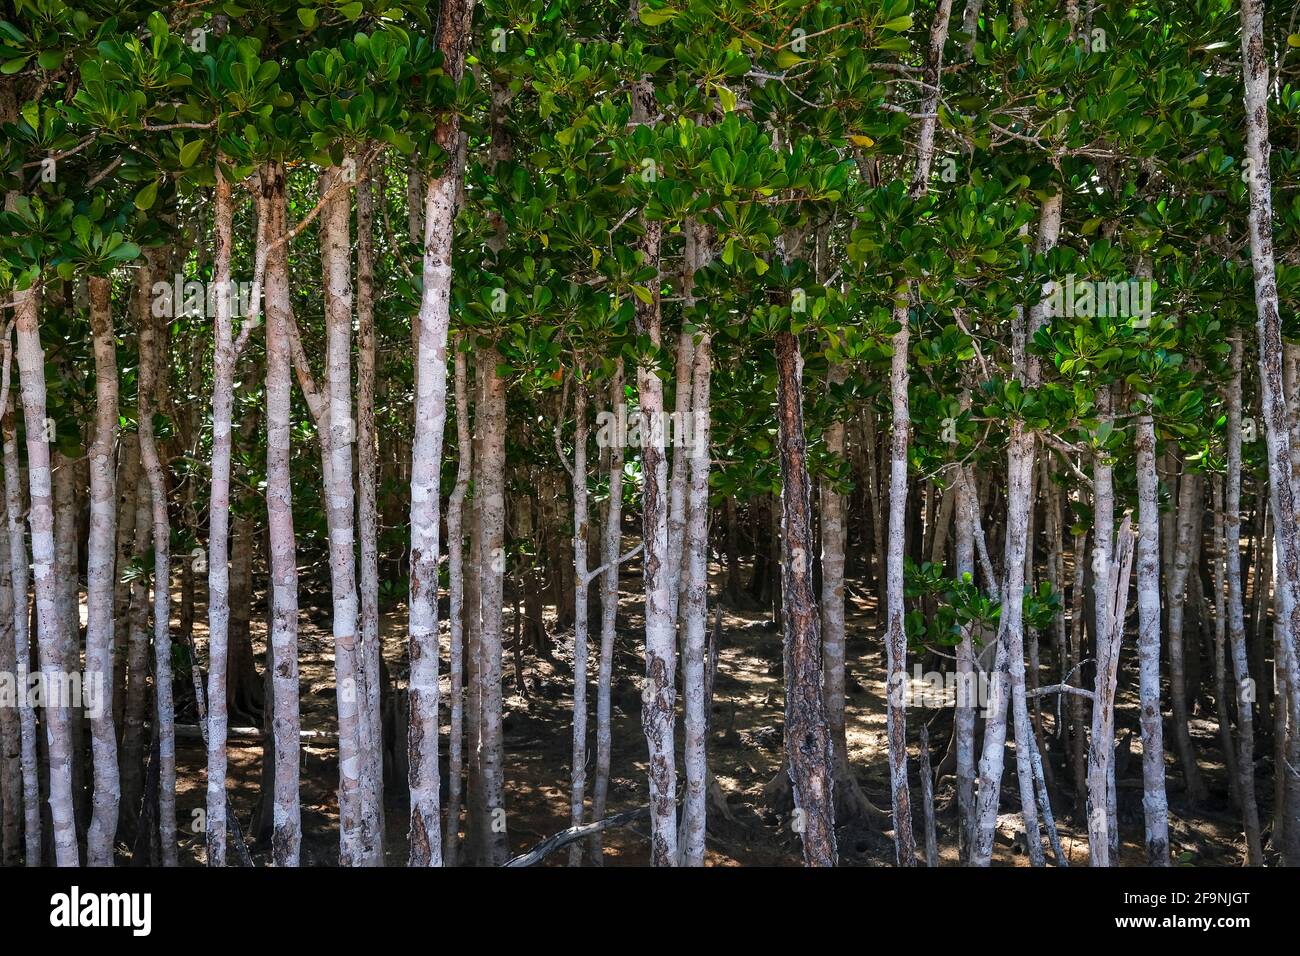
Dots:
pixel 611 543
pixel 456 611
pixel 1236 618
pixel 371 656
pixel 100 575
pixel 286 838
pixel 1273 398
pixel 1155 804
pixel 31 366
pixel 696 611
pixel 31 797
pixel 807 734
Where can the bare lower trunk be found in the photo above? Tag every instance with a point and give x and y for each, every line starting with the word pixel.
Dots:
pixel 1187 539
pixel 31 367
pixel 455 613
pixel 611 542
pixel 807 734
pixel 223 393
pixel 371 731
pixel 1155 804
pixel 340 509
pixel 895 635
pixel 1255 60
pixel 100 575
pixel 578 473
pixel 286 837
pixel 1236 624
pixel 491 558
pixel 1113 567
pixel 696 611
pixel 151 463
pixel 31 797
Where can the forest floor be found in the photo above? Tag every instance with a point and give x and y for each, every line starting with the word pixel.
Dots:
pixel 745 750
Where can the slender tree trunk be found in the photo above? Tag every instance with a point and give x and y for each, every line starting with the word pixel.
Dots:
pixel 371 656
pixel 357 837
pixel 100 575
pixel 223 394
pixel 659 695
pixel 1236 618
pixel 456 611
pixel 286 838
pixel 967 686
pixel 31 367
pixel 1113 567
pixel 27 728
pixel 1273 403
pixel 807 734
pixel 1155 804
pixel 491 558
pixel 1219 646
pixel 696 611
pixel 426 460
pixel 151 463
pixel 611 542
pixel 1187 539
pixel 578 473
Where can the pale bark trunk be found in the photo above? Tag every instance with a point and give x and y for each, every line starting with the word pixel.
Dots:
pixel 223 392
pixel 491 558
pixel 1236 624
pixel 1219 646
pixel 426 461
pixel 611 542
pixel 455 612
pixel 1155 804
pixel 1187 538
pixel 1007 680
pixel 678 475
pixel 1113 566
pixel 371 730
pixel 833 539
pixel 1273 404
pixel 286 838
pixel 151 463
pixel 137 665
pixel 356 840
pixel 696 611
pixel 20 626
pixel 99 576
pixel 1106 642
pixel 31 366
pixel 659 695
pixel 895 635
pixel 964 714
pixel 578 473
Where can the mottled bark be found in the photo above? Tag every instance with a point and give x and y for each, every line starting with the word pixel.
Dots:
pixel 58 732
pixel 1236 624
pixel 100 569
pixel 1155 804
pixel 286 836
pixel 807 734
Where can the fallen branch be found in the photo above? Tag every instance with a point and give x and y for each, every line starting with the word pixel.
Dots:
pixel 562 839
pixel 1060 689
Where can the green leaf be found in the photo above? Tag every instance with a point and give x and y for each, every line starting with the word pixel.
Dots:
pixel 146 197
pixel 190 152
pixel 653 18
